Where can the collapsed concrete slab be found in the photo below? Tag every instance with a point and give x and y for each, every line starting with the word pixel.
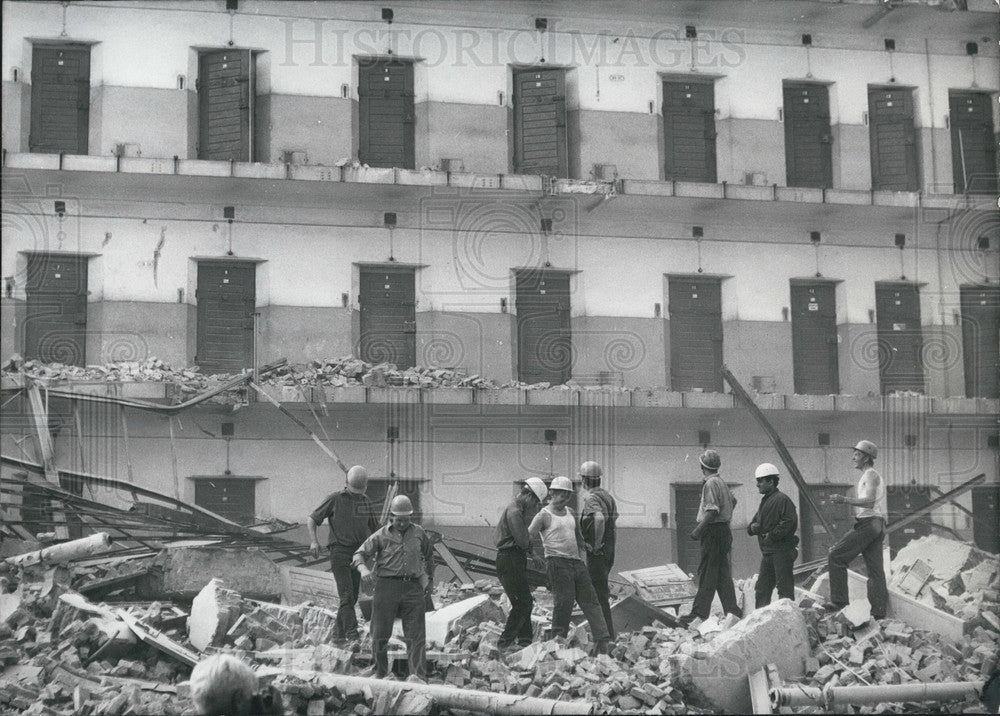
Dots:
pixel 213 612
pixel 186 570
pixel 446 621
pixel 716 675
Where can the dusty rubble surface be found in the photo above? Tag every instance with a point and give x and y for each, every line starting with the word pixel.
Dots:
pixel 332 372
pixel 60 658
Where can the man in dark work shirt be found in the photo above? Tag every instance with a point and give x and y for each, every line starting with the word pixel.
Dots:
pixel 774 524
pixel 352 519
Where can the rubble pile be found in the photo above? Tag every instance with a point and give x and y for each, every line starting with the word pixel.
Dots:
pixel 849 649
pixel 952 576
pixel 330 372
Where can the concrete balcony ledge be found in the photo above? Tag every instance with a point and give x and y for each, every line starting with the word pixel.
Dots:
pixel 810 402
pixel 656 398
pixel 501 396
pixel 715 401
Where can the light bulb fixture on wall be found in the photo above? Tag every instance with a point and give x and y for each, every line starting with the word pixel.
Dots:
pixel 972 49
pixel 229 214
pixel 389 222
pixel 890 49
pixel 807 42
pixel 900 241
pixel 814 237
pixel 691 33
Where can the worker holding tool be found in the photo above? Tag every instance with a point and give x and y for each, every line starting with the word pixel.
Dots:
pixel 564 559
pixel 867 537
pixel 402 575
pixel 774 524
pixel 597 524
pixel 352 519
pixel 715 573
pixel 513 548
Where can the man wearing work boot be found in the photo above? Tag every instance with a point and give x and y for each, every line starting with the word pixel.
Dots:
pixel 867 537
pixel 597 524
pixel 513 547
pixel 715 573
pixel 352 519
pixel 402 573
pixel 564 555
pixel 774 524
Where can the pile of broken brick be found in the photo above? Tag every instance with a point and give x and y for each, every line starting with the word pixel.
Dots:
pixel 331 372
pixel 63 654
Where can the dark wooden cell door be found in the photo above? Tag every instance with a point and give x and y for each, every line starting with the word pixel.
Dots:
pixel 814 338
pixel 227 294
pixel 388 315
pixel 973 146
pixel 60 99
pixel 689 130
pixel 900 337
pixel 230 497
pixel 225 104
pixel 893 135
pixel 386 113
pixel 544 336
pixel 540 122
pixel 901 500
pixel 695 310
pixel 981 340
pixel 808 141
pixel 55 326
pixel 687 497
pixel 816 541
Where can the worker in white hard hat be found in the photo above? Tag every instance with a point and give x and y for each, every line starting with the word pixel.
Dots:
pixel 774 524
pixel 715 571
pixel 513 549
pixel 564 561
pixel 867 538
pixel 397 561
pixel 598 518
pixel 352 519
pixel 223 685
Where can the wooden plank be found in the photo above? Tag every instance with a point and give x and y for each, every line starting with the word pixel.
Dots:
pixel 760 692
pixel 449 559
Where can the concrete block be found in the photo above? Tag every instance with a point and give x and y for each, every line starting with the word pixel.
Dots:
pixel 447 396
pixel 205 167
pixel 946 557
pixel 848 196
pixel 775 634
pixel 895 198
pixel 708 400
pixel 552 396
pixel 502 396
pixel 809 402
pixel 979 577
pixel 259 170
pixel 857 613
pixel 444 622
pixel 213 611
pixel 698 189
pixel 606 398
pixel 186 571
pixel 956 405
pixel 799 194
pixel 393 395
pixel 28 160
pixel 656 398
pixel 88 163
pixel 146 165
pixel 345 394
pixel 468 180
pixel 750 193
pixel 521 182
pixel 421 177
pixel 646 187
pixel 314 172
pixel 860 403
pixel 370 175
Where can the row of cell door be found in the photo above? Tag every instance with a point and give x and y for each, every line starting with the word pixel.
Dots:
pixel 226 109
pixel 56 325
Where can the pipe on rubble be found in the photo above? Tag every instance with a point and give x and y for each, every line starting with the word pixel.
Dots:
pixel 65 551
pixel 832 696
pixel 446 696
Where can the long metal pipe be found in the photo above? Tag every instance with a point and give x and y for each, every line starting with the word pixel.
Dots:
pixel 490 702
pixel 831 696
pixel 66 551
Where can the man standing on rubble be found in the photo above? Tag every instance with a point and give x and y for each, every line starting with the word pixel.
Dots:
pixel 867 537
pixel 513 547
pixel 774 524
pixel 564 559
pixel 715 573
pixel 352 519
pixel 402 576
pixel 597 524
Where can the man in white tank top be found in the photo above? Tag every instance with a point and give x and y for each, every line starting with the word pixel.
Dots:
pixel 569 580
pixel 867 537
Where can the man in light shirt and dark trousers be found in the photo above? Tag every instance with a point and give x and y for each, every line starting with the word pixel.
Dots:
pixel 867 538
pixel 715 572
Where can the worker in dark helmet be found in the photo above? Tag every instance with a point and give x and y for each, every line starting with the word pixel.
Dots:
pixel 867 538
pixel 402 574
pixel 597 524
pixel 715 572
pixel 352 519
pixel 774 524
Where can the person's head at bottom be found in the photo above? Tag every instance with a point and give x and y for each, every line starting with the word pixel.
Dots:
pixel 222 685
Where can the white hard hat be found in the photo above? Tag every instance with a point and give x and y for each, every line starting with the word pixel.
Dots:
pixel 357 478
pixel 401 505
pixel 766 469
pixel 591 469
pixel 868 448
pixel 561 483
pixel 536 485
